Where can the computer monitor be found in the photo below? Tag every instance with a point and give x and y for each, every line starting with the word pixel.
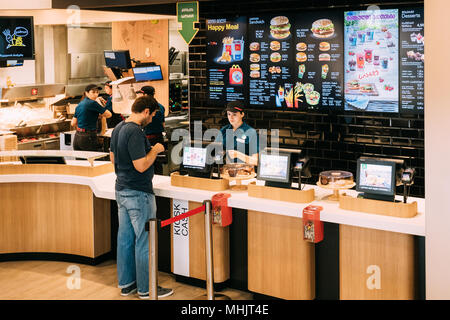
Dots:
pixel 17 38
pixel 196 162
pixel 376 178
pixel 150 73
pixel 119 59
pixel 275 169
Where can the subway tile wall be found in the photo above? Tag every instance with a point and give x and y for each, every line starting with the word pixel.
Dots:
pixel 332 140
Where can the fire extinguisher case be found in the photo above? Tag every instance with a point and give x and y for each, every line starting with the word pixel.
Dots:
pixel 312 226
pixel 222 213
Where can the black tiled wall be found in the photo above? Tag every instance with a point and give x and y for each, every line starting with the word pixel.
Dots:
pixel 333 140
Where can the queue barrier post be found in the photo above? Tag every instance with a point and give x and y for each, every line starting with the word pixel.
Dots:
pixel 153 246
pixel 210 295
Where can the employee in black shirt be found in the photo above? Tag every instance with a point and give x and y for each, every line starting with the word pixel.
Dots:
pixel 85 120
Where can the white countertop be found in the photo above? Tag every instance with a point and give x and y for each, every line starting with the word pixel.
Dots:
pixel 103 187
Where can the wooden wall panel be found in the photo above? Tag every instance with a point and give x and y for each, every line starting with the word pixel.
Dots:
pixel 148 41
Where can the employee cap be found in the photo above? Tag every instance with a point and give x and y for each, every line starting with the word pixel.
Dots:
pixel 147 90
pixel 235 106
pixel 92 87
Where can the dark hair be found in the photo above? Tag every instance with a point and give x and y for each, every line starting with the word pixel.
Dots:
pixel 145 102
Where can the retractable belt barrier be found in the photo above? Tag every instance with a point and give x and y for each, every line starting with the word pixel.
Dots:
pixel 220 208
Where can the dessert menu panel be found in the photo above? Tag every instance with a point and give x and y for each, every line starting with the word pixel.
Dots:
pixel 412 57
pixel 226 54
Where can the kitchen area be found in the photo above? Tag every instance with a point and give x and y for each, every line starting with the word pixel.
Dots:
pixel 38 95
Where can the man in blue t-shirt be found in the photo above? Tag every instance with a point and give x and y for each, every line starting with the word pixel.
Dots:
pixel 85 119
pixel 133 159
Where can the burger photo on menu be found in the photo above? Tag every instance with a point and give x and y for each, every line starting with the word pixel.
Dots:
pixel 255 74
pixel 275 45
pixel 323 28
pixel 301 46
pixel 275 57
pixel 324 57
pixel 280 27
pixel 254 46
pixel 324 46
pixel 254 57
pixel 301 57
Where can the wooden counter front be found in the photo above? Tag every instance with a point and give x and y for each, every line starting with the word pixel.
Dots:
pixel 53 218
pixel 376 264
pixel 197 257
pixel 280 263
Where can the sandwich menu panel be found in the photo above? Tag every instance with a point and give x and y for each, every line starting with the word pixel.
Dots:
pixel 318 71
pixel 270 60
pixel 226 63
pixel 412 40
pixel 371 60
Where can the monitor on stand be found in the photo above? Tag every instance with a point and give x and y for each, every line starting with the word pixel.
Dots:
pixel 377 178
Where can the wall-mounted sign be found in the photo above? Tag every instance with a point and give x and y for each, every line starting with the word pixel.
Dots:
pixel 187 16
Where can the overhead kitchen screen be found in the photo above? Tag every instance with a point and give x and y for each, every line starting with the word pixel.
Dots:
pixel 16 38
pixel 370 60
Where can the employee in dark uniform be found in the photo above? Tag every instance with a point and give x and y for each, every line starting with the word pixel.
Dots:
pixel 116 118
pixel 154 130
pixel 240 141
pixel 85 120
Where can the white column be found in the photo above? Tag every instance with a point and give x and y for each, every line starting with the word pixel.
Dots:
pixel 437 149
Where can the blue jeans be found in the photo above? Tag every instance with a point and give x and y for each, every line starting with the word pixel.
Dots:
pixel 135 208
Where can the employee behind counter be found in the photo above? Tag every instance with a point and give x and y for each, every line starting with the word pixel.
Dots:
pixel 238 138
pixel 85 119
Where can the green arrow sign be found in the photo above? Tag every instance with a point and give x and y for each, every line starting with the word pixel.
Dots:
pixel 187 15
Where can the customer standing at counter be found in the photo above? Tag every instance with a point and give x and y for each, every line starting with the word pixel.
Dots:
pixel 239 139
pixel 154 130
pixel 85 119
pixel 133 160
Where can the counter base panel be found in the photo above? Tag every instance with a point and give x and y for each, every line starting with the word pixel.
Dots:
pixel 280 262
pixel 60 257
pixel 197 257
pixel 55 218
pixel 376 265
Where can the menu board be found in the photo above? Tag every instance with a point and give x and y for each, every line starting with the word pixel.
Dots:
pixel 319 51
pixel 371 60
pixel 412 57
pixel 226 60
pixel 270 57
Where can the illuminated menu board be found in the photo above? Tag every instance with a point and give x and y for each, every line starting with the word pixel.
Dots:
pixel 412 56
pixel 371 60
pixel 226 60
pixel 318 60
